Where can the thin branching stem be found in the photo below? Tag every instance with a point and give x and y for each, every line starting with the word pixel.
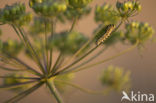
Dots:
pixel 73 24
pixel 29 45
pixel 29 78
pixel 121 22
pixel 13 64
pixel 78 52
pixel 85 90
pixel 17 84
pixel 18 34
pixel 51 49
pixel 44 58
pixel 11 69
pixel 25 42
pixel 56 63
pixel 5 58
pixel 60 63
pixel 45 47
pixel 105 60
pixel 24 64
pixel 78 60
pixel 24 94
pixel 89 60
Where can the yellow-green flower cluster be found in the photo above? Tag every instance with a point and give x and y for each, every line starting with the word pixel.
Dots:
pixel 128 8
pixel 11 47
pixel 106 14
pixel 138 31
pixel 78 3
pixel 38 26
pixel 48 8
pixel 11 80
pixel 15 14
pixel 116 78
pixel 68 43
pixel 72 13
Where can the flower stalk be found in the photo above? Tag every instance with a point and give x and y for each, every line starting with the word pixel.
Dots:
pixel 54 91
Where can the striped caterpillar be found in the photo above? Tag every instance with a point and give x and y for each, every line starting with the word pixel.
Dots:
pixel 109 30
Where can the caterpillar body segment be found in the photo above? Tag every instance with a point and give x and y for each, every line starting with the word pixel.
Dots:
pixel 108 32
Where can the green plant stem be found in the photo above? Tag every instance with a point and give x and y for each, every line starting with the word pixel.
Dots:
pixel 54 91
pixel 101 92
pixel 56 63
pixel 78 52
pixel 46 50
pixel 11 69
pixel 107 59
pixel 16 65
pixel 44 59
pixel 51 50
pixel 73 24
pixel 20 77
pixel 17 84
pixel 29 45
pixel 25 42
pixel 24 64
pixel 18 34
pixel 78 60
pixel 60 63
pixel 22 95
pixel 92 58
pixel 121 22
pixel 33 71
pixel 7 60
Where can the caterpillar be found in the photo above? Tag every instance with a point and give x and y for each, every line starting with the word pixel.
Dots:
pixel 108 32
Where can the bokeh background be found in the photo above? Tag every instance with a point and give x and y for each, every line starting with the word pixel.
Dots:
pixel 143 67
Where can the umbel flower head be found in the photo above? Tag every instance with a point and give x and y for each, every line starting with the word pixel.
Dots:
pixel 38 27
pixel 11 47
pixel 116 78
pixel 68 43
pixel 48 8
pixel 128 8
pixel 78 3
pixel 72 13
pixel 106 14
pixel 138 31
pixel 15 14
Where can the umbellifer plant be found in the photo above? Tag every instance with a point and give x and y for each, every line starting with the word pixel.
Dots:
pixel 41 41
